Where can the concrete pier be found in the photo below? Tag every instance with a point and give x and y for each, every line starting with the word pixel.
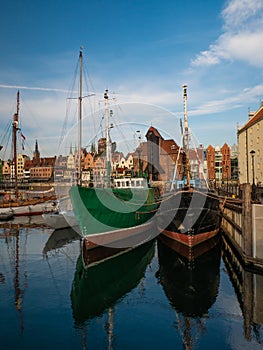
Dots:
pixel 242 224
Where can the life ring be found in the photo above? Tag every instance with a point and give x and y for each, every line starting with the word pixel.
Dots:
pixel 7 197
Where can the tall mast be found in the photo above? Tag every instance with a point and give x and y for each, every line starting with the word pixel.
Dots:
pixel 80 118
pixel 186 138
pixel 108 148
pixel 15 128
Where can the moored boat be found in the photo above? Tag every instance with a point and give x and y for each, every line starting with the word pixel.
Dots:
pixel 108 214
pixel 190 253
pixel 24 202
pixel 6 214
pixel 189 215
pixel 61 215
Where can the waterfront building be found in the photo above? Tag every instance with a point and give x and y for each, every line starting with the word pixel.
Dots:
pixel 87 160
pixel 40 168
pixel 250 146
pixel 140 160
pixel 21 159
pixel 218 163
pixel 226 162
pixel 210 161
pixel 116 161
pixel 197 162
pixel 162 155
pixel 234 162
pixel 70 161
pixel 6 170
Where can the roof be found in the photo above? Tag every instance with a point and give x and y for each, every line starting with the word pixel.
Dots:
pixel 169 147
pixel 155 131
pixel 256 118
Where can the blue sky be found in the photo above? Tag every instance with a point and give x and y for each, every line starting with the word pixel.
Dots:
pixel 143 52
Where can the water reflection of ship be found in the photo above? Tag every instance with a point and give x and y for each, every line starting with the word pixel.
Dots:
pixel 19 222
pixel 191 286
pixel 191 289
pixel 190 253
pixel 13 239
pixel 108 275
pixel 60 238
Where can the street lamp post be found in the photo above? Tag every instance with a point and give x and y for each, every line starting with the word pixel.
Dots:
pixel 253 173
pixel 227 178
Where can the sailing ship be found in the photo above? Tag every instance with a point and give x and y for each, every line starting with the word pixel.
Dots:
pixel 189 215
pixel 18 203
pixel 111 213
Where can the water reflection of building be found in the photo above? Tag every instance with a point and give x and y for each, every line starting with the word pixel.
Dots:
pixel 249 290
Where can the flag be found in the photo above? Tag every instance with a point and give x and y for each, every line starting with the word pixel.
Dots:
pixel 23 140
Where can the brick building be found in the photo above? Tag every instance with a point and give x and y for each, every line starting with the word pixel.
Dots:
pixel 218 163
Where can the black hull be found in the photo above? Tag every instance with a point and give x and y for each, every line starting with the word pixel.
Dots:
pixel 190 217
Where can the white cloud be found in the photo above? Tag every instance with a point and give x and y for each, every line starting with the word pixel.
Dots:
pixel 242 36
pixel 237 12
pixel 227 103
pixel 35 88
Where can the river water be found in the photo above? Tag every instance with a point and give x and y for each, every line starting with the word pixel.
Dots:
pixel 156 296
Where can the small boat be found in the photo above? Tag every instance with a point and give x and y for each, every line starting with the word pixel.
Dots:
pixel 60 216
pixel 110 213
pixel 24 202
pixel 6 214
pixel 189 214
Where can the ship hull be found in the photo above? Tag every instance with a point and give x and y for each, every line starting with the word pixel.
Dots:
pixel 108 215
pixel 190 217
pixel 29 207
